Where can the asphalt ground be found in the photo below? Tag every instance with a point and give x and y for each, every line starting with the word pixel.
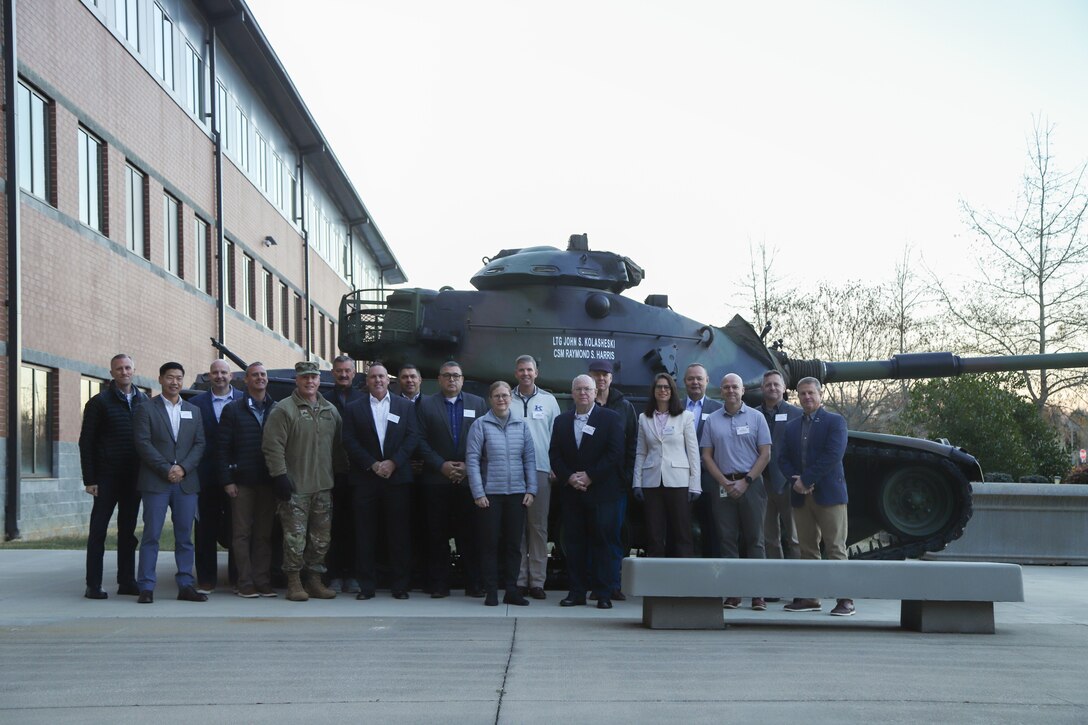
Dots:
pixel 65 659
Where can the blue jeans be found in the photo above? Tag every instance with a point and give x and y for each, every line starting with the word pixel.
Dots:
pixel 182 511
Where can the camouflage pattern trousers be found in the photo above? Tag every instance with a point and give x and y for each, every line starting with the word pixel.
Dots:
pixel 307 528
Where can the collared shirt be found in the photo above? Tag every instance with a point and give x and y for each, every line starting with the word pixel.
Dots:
pixel 580 421
pixel 660 421
pixel 380 409
pixel 219 402
pixel 696 408
pixel 259 409
pixel 735 438
pixel 806 428
pixel 173 411
pixel 455 409
pixel 127 397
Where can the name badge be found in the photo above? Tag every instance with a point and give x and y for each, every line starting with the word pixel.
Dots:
pixel 589 430
pixel 706 415
pixel 393 418
pixel 470 413
pixel 779 417
pixel 187 414
pixel 669 430
pixel 538 415
pixel 722 493
pixel 742 430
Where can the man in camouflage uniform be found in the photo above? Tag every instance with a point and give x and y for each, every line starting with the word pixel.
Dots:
pixel 302 448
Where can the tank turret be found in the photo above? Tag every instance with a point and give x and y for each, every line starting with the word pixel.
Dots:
pixel 564 307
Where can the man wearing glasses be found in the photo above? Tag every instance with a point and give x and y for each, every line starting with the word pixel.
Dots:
pixel 444 420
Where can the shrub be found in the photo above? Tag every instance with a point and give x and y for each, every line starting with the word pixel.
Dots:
pixel 1077 475
pixel 998 477
pixel 1035 479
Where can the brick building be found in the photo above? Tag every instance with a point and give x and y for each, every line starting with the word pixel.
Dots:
pixel 164 184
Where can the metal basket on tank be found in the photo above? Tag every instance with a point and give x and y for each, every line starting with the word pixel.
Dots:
pixel 369 317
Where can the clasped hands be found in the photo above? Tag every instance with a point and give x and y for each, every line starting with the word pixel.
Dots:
pixel 454 470
pixel 800 487
pixel 579 481
pixel 175 474
pixel 384 469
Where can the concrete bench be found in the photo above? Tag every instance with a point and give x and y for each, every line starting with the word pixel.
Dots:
pixel 936 596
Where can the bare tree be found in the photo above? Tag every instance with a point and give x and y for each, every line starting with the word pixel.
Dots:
pixel 759 282
pixel 1033 291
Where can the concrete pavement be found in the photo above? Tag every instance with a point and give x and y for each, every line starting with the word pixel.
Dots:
pixel 67 659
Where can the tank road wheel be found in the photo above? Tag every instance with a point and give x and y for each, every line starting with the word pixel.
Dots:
pixel 916 502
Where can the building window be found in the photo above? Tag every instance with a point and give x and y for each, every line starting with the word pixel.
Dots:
pixel 194 89
pixel 232 288
pixel 164 42
pixel 285 310
pixel 88 388
pixel 249 290
pixel 170 235
pixel 37 424
pixel 300 331
pixel 34 139
pixel 260 159
pixel 332 337
pixel 269 301
pixel 320 322
pixel 127 13
pixel 135 186
pixel 222 108
pixel 202 240
pixel 90 181
pixel 242 141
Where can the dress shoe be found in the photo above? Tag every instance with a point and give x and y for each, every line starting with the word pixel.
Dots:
pixel 573 601
pixel 363 596
pixel 523 591
pixel 188 594
pixel 731 603
pixel 205 588
pixel 130 590
pixel 516 599
pixel 265 591
pixel 247 592
pixel 618 596
pixel 400 594
pixel 491 600
pixel 146 597
pixel 803 605
pixel 844 608
pixel 440 594
pixel 603 603
pixel 759 604
pixel 95 593
pixel 537 593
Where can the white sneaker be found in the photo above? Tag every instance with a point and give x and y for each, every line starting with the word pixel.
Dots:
pixel 336 585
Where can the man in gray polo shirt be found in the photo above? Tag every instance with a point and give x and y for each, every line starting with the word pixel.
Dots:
pixel 736 446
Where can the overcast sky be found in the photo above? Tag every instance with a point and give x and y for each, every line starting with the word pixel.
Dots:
pixel 678 132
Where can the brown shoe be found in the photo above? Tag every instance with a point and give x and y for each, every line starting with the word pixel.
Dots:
pixel 295 591
pixel 316 588
pixel 803 605
pixel 844 608
pixel 537 593
pixel 731 603
pixel 759 604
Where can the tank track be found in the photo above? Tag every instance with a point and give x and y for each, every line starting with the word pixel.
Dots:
pixel 888 546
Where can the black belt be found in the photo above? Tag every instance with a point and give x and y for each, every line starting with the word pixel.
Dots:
pixel 734 476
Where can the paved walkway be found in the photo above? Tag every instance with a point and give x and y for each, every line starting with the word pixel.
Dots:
pixel 66 659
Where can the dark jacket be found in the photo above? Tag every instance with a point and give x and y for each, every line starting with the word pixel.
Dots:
pixel 600 455
pixel 333 396
pixel 159 450
pixel 773 477
pixel 209 473
pixel 620 404
pixel 823 469
pixel 361 439
pixel 239 459
pixel 435 437
pixel 107 452
pixel 709 406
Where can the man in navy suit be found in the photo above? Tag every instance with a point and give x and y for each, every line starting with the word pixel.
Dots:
pixel 380 437
pixel 169 438
pixel 213 505
pixel 587 455
pixel 778 524
pixel 811 458
pixel 444 420
pixel 696 381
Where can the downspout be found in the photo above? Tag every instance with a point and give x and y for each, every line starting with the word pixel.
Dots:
pixel 14 472
pixel 220 254
pixel 305 249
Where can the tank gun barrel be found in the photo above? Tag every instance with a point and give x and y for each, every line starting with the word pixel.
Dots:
pixel 934 365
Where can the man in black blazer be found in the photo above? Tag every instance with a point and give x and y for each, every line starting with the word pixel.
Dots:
pixel 444 420
pixel 340 561
pixel 587 455
pixel 380 437
pixel 778 525
pixel 696 381
pixel 169 438
pixel 213 506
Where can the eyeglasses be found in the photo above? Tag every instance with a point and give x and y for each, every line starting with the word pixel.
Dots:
pixel 662 387
pixel 501 396
pixel 450 376
pixel 585 390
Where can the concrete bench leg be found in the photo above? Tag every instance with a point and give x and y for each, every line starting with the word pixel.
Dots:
pixel 957 617
pixel 682 613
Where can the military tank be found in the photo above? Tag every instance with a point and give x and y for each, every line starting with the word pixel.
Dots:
pixel 907 496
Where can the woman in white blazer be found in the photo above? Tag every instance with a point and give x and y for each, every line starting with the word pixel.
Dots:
pixel 667 469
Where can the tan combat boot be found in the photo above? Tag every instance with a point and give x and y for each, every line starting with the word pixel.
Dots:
pixel 295 592
pixel 316 588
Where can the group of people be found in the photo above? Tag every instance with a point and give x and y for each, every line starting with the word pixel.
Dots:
pixel 337 470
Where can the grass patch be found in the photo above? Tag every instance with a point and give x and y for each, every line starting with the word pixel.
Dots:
pixel 79 543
